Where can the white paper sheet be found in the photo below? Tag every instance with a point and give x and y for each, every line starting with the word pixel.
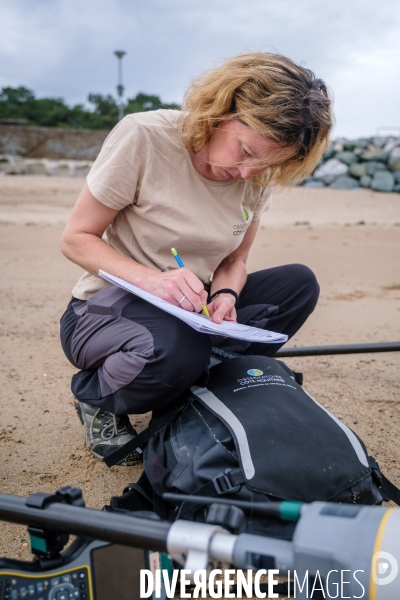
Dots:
pixel 198 321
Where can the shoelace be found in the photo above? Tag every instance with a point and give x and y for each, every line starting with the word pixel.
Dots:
pixel 111 424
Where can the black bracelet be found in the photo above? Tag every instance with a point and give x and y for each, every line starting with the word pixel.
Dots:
pixel 225 291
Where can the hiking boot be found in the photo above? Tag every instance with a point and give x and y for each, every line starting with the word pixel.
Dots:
pixel 105 432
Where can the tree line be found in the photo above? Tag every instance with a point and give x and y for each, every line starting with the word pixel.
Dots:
pixel 21 103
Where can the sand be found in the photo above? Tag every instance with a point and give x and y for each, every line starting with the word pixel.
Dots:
pixel 350 239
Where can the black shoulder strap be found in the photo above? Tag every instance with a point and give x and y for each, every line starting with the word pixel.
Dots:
pixel 225 483
pixel 390 490
pixel 140 440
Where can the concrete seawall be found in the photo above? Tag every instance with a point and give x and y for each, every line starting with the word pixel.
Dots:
pixel 51 143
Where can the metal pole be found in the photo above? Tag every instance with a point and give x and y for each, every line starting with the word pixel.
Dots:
pixel 120 88
pixel 89 522
pixel 339 349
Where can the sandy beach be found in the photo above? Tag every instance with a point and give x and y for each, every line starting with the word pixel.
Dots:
pixel 350 239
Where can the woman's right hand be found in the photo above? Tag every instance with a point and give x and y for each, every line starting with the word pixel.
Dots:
pixel 180 287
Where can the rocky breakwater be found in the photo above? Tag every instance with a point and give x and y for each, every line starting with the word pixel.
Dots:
pixel 363 163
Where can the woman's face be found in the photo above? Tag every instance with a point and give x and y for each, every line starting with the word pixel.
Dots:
pixel 235 151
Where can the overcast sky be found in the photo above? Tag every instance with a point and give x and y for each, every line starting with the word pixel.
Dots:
pixel 64 48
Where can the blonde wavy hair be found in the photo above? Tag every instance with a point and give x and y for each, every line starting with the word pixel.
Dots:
pixel 275 97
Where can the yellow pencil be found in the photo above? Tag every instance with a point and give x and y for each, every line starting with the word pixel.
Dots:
pixel 180 263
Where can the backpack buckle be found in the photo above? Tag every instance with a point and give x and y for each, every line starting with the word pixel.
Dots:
pixel 223 484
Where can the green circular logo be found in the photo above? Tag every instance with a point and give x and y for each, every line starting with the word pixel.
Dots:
pixel 245 214
pixel 255 372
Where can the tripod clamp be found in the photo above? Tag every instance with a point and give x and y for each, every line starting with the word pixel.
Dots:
pixel 45 544
pixel 191 544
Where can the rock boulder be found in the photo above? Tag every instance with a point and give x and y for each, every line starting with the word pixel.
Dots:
pixel 383 181
pixel 344 182
pixel 330 170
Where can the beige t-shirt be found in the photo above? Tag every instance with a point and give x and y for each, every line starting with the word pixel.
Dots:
pixel 144 171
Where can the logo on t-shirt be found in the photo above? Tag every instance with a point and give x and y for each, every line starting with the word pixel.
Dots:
pixel 239 229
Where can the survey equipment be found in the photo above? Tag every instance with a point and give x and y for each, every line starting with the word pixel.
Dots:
pixel 340 550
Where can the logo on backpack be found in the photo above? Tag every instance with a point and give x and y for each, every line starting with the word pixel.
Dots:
pixel 255 372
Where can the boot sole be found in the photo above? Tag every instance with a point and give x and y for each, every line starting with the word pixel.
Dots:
pixel 78 410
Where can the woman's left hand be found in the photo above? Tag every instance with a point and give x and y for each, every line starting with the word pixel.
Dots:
pixel 231 274
pixel 222 308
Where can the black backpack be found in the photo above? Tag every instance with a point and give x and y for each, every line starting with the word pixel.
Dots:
pixel 252 433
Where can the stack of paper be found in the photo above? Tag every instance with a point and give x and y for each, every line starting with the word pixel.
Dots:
pixel 201 322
